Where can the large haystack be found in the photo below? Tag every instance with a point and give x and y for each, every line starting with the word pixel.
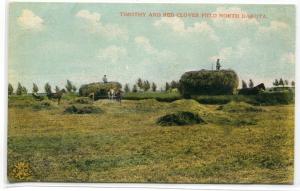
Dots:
pixel 208 82
pixel 99 89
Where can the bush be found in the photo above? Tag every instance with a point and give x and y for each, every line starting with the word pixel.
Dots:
pixel 274 98
pixel 76 109
pixel 180 118
pixel 214 100
pixel 208 82
pixel 167 99
pixel 159 96
pixel 100 89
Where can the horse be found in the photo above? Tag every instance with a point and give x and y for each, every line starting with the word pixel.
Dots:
pixel 92 96
pixel 111 94
pixel 37 97
pixel 260 87
pixel 253 91
pixel 56 95
pixel 119 95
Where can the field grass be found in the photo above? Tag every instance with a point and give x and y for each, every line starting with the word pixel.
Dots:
pixel 159 96
pixel 123 143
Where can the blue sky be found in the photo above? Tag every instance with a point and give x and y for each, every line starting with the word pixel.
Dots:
pixel 53 42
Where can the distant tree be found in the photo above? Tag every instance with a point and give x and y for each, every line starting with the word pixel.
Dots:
pixel 146 85
pixel 126 88
pixel 10 89
pixel 153 87
pixel 134 89
pixel 69 86
pixel 276 83
pixel 167 87
pixel 251 84
pixel 286 82
pixel 19 89
pixel 74 88
pixel 174 84
pixel 47 88
pixel 35 88
pixel 281 83
pixel 57 89
pixel 24 90
pixel 293 83
pixel 244 84
pixel 139 83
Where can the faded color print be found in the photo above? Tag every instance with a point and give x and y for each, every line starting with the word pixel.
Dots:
pixel 151 93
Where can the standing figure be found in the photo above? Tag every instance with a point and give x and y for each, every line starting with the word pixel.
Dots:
pixel 104 79
pixel 218 65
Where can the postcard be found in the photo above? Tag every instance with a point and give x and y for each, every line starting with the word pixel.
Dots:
pixel 151 93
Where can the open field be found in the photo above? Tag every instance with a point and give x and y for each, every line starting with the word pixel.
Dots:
pixel 239 143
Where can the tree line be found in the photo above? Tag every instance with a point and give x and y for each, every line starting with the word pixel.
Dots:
pixel 276 83
pixel 22 90
pixel 145 85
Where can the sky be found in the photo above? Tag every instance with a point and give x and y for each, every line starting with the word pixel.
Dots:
pixel 53 42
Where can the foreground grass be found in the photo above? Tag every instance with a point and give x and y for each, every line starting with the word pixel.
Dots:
pixel 124 144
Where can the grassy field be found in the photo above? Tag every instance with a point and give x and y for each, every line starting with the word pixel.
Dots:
pixel 239 143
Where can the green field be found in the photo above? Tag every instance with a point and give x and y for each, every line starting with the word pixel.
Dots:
pixel 239 143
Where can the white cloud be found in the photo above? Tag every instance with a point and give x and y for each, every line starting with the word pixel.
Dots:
pixel 178 25
pixel 288 58
pixel 159 55
pixel 224 54
pixel 92 17
pixel 94 25
pixel 29 21
pixel 242 48
pixel 145 43
pixel 222 20
pixel 112 53
pixel 275 26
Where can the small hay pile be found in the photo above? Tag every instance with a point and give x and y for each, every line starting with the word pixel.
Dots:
pixel 42 105
pixel 180 118
pixel 82 100
pixel 239 107
pixel 188 104
pixel 82 109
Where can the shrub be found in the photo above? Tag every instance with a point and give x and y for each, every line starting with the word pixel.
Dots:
pixel 168 99
pixel 180 118
pixel 76 109
pixel 274 98
pixel 214 100
pixel 100 89
pixel 159 96
pixel 208 82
